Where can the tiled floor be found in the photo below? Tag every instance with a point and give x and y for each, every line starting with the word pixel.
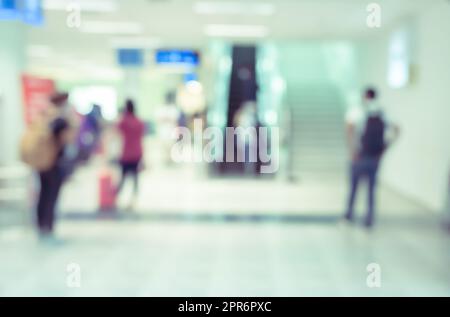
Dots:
pixel 191 236
pixel 189 189
pixel 145 258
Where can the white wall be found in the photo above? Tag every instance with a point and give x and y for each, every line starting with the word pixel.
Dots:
pixel 12 36
pixel 419 164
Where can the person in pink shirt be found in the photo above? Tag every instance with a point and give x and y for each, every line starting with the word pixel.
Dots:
pixel 132 131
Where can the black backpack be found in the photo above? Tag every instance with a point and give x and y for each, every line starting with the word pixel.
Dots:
pixel 372 140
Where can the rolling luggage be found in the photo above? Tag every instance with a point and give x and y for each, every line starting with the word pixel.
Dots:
pixel 107 191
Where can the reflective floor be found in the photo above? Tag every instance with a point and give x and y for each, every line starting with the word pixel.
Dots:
pixel 195 235
pixel 216 245
pixel 191 189
pixel 146 258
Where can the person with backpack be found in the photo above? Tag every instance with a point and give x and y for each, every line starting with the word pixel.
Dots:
pixel 367 130
pixel 43 148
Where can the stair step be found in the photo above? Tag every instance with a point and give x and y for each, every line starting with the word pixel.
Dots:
pixel 317 130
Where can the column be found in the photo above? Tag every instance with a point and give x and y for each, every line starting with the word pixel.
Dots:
pixel 12 61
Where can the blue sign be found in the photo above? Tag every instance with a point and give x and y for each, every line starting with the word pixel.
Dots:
pixel 28 11
pixel 8 10
pixel 32 12
pixel 130 57
pixel 190 77
pixel 177 57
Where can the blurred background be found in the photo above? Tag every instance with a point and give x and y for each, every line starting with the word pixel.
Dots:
pixel 223 228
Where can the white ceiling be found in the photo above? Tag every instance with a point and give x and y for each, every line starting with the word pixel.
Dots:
pixel 173 23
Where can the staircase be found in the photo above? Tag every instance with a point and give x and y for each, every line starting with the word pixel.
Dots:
pixel 317 146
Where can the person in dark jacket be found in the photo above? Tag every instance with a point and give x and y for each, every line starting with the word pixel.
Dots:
pixel 366 129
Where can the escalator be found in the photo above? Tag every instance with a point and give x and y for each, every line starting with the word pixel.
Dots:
pixel 242 89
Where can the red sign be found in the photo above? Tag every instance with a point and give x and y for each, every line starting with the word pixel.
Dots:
pixel 36 93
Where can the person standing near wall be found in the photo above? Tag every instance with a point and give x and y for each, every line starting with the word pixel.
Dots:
pixel 368 130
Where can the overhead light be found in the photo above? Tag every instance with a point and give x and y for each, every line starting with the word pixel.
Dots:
pixel 106 27
pixel 194 87
pixel 234 7
pixel 135 42
pixel 84 5
pixel 228 30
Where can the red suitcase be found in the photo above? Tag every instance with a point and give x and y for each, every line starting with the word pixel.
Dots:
pixel 107 191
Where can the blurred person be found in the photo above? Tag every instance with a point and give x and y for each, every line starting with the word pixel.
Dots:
pixel 367 128
pixel 247 83
pixel 168 117
pixel 89 134
pixel 182 120
pixel 43 147
pixel 246 117
pixel 132 131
